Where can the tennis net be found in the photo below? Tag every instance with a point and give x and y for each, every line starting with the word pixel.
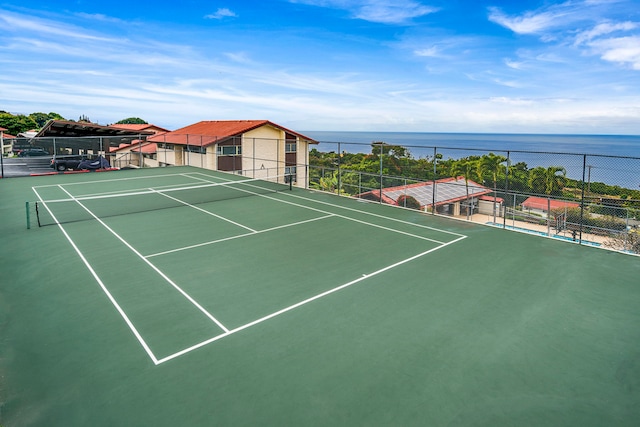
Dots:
pixel 85 208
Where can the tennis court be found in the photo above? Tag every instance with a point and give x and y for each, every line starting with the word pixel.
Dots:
pixel 181 296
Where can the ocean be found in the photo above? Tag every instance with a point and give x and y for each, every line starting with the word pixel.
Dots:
pixel 611 170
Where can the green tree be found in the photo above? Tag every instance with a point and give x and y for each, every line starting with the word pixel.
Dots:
pixel 132 121
pixel 492 164
pixel 16 124
pixel 465 167
pixel 518 177
pixel 550 180
pixel 42 118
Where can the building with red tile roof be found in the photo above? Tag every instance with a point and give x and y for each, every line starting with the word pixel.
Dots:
pixel 256 148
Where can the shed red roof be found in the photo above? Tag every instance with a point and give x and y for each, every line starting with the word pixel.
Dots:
pixel 543 204
pixel 136 146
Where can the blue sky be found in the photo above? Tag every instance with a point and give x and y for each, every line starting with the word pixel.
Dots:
pixel 365 65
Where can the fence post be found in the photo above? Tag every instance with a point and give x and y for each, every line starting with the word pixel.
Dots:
pixel 584 170
pixel 339 173
pixel 506 191
pixel 435 178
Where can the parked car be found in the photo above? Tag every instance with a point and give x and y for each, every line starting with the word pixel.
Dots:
pixel 62 163
pixel 78 162
pixel 33 152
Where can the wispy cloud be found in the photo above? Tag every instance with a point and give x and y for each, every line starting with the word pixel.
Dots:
pixel 430 52
pixel 380 11
pixel 621 50
pixel 527 23
pixel 239 57
pixel 33 25
pixel 580 24
pixel 604 28
pixel 221 14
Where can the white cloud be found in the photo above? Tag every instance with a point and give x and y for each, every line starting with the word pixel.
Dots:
pixel 510 101
pixel 621 50
pixel 221 14
pixel 604 28
pixel 529 22
pixel 396 13
pixel 514 64
pixel 432 51
pixel 32 26
pixel 239 57
pixel 380 11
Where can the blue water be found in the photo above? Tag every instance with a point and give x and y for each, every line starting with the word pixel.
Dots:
pixel 522 148
pixel 608 145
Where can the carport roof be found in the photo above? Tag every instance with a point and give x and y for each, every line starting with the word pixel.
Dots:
pixel 449 190
pixel 60 128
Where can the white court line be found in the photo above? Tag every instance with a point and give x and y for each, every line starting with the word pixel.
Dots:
pixel 204 211
pixel 352 219
pixel 150 264
pixel 232 331
pixel 238 236
pixel 356 210
pixel 115 180
pixel 301 303
pixel 102 285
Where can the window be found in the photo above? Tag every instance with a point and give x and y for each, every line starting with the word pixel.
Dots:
pixel 196 149
pixel 290 173
pixel 290 147
pixel 229 150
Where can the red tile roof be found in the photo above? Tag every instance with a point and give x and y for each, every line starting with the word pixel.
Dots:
pixel 209 132
pixel 543 204
pixel 136 147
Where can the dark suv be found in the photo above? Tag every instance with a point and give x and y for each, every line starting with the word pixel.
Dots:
pixel 62 163
pixel 78 162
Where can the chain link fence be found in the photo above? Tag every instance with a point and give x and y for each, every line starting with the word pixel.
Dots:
pixel 251 157
pixel 588 199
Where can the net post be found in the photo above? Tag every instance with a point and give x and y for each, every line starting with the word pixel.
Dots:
pixel 28 217
pixel 290 182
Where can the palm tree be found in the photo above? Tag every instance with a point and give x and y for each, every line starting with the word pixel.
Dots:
pixel 548 181
pixel 464 167
pixel 493 165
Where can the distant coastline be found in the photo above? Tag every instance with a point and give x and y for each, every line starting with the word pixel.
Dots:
pixel 604 145
pixel 603 151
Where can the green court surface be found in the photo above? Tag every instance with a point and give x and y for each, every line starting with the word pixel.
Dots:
pixel 233 305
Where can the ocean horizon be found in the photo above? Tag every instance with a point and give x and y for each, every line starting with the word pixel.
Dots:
pixel 612 159
pixel 603 145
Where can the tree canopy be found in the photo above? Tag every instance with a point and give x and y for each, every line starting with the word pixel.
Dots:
pixel 17 123
pixel 132 121
pixel 42 118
